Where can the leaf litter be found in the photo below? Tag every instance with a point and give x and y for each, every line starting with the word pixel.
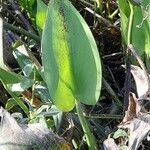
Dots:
pixel 136 121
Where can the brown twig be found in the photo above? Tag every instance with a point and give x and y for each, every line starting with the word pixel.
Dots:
pixel 100 18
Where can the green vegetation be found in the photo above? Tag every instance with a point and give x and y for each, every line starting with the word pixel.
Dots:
pixel 52 61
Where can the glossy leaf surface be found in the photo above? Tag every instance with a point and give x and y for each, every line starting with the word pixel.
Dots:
pixel 71 61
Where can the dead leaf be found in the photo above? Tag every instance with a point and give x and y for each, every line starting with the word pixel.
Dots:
pixel 132 111
pixel 140 78
pixel 137 118
pixel 28 95
pixel 144 117
pixel 109 144
pixel 137 123
pixel 138 131
pixel 14 136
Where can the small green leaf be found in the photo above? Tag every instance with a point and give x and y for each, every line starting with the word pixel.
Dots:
pixel 71 61
pixel 21 55
pixel 10 104
pixel 123 147
pixel 26 4
pixel 29 6
pixel 27 62
pixel 24 62
pixel 120 133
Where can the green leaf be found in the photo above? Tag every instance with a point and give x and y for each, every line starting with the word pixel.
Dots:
pixel 9 79
pixel 20 87
pixel 42 92
pixel 57 118
pixel 120 133
pixel 27 62
pixel 14 82
pixel 124 15
pixel 71 61
pixel 140 30
pixel 26 3
pixel 123 147
pixel 29 6
pixel 10 104
pixel 147 40
pixel 24 62
pixel 41 15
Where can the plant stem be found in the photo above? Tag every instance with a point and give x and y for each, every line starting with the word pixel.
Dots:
pixel 111 92
pixel 87 3
pixel 21 31
pixel 33 86
pixel 2 64
pixel 101 19
pixel 111 16
pixel 89 136
pixel 129 36
pixel 128 63
pixel 105 116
